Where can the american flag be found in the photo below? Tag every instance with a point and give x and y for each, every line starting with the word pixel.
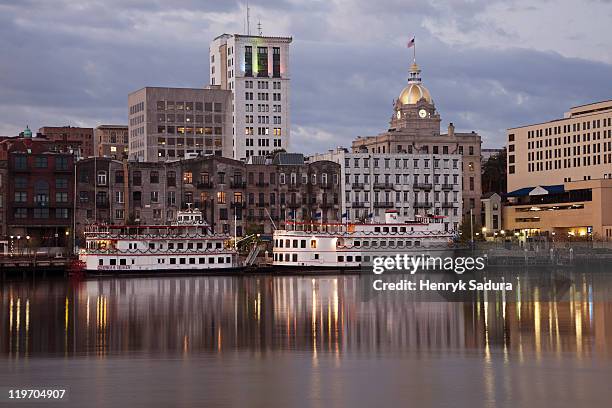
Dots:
pixel 411 42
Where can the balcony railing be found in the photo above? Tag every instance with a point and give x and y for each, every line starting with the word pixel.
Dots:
pixel 238 204
pixel 261 184
pixel 447 186
pixel 448 204
pixel 422 186
pixel 383 204
pixel 383 186
pixel 294 205
pixel 205 184
pixel 237 184
pixel 357 204
pixel 357 186
pixel 422 204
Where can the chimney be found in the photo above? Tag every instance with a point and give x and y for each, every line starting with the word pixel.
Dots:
pixel 451 129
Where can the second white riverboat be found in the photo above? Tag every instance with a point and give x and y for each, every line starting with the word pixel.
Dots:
pixel 353 245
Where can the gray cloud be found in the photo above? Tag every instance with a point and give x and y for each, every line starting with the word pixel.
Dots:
pixel 75 62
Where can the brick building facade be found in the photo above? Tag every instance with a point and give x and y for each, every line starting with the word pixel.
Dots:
pixel 38 206
pixel 69 138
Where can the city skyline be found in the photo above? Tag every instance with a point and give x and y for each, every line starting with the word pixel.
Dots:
pixel 485 73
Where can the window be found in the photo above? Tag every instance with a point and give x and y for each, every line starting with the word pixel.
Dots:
pixel 40 162
pixel 61 163
pixel 276 65
pixel 41 212
pixel 61 213
pixel 21 162
pixel 61 183
pixel 248 60
pixel 223 214
pixel 221 197
pixel 61 197
pixel 101 178
pixel 187 177
pixel 41 193
pixel 171 179
pixel 154 177
pixel 21 197
pixel 21 182
pixel 137 178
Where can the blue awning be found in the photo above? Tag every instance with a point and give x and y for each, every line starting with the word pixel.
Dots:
pixel 522 192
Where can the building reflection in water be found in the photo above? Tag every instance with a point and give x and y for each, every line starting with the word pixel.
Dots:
pixel 324 314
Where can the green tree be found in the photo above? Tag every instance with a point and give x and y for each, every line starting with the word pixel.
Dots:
pixel 494 175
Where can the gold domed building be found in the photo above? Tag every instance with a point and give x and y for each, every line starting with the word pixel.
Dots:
pixel 415 90
pixel 414 129
pixel 415 104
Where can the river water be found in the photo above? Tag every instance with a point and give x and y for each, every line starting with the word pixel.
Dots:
pixel 271 341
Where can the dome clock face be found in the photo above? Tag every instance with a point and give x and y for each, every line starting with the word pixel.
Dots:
pixel 422 113
pixel 399 114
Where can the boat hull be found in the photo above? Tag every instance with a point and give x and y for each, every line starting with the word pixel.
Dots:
pixel 138 263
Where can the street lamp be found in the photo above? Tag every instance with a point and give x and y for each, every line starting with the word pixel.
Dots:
pixel 28 242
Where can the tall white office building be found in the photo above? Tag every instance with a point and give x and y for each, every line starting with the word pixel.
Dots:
pixel 256 70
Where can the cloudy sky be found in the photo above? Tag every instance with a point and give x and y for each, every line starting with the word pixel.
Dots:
pixel 489 64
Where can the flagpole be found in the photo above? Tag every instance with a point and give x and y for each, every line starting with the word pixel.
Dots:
pixel 414 50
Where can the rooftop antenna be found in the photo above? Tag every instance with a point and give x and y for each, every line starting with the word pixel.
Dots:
pixel 248 19
pixel 259 28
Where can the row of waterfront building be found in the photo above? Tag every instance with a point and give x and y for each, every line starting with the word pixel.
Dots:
pixel 222 148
